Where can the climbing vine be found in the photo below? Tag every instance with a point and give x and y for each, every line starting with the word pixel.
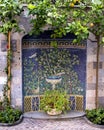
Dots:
pixel 6 89
pixel 9 10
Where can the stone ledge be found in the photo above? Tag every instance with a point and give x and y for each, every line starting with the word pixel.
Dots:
pixel 92 124
pixel 12 124
pixel 44 116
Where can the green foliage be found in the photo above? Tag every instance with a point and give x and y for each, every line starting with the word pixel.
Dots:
pixel 9 115
pixel 1 106
pixel 9 10
pixel 54 99
pixel 96 116
pixel 5 96
pixel 39 10
pixel 63 18
pixel 9 55
pixel 6 87
pixel 6 70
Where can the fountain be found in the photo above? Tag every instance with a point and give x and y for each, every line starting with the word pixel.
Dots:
pixel 54 80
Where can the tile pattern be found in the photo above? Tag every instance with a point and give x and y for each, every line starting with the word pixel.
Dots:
pixel 35 103
pixel 31 103
pixel 27 104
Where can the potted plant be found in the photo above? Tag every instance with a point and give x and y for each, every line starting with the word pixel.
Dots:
pixel 54 102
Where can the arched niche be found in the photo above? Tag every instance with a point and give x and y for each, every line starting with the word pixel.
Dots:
pixel 40 59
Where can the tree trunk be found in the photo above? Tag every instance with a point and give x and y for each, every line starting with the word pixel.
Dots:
pixel 97 73
pixel 9 67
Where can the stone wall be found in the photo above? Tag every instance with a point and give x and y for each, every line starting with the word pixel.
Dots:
pixel 16 69
pixel 3 61
pixel 91 74
pixel 16 86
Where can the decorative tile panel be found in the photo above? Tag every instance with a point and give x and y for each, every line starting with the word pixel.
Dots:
pixel 40 60
pixel 47 43
pixel 79 103
pixel 72 102
pixel 35 103
pixel 32 103
pixel 27 104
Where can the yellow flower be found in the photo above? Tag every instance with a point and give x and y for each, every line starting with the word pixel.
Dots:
pixel 31 6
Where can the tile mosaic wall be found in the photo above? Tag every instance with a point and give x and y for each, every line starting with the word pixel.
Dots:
pixel 41 62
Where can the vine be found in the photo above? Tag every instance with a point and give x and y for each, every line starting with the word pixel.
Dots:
pixel 6 89
pixel 9 11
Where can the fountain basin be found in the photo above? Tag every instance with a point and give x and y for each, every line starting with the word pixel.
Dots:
pixel 54 79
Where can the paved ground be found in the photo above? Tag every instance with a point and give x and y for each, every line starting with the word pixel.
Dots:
pixel 69 124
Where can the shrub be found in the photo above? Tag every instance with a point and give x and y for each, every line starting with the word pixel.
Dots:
pixel 96 116
pixel 10 115
pixel 1 106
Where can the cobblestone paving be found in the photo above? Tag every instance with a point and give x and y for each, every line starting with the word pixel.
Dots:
pixel 69 124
